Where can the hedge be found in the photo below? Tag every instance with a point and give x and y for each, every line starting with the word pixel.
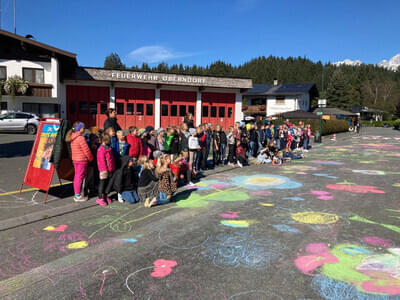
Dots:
pixel 394 123
pixel 328 126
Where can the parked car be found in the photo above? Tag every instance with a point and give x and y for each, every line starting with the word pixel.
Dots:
pixel 19 121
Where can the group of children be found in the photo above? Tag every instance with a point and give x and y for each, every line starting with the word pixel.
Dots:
pixel 148 165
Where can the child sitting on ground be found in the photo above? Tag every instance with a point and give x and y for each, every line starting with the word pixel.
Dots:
pixel 184 170
pixel 263 157
pixel 106 165
pixel 124 181
pixel 167 185
pixel 240 154
pixel 276 160
pixel 148 182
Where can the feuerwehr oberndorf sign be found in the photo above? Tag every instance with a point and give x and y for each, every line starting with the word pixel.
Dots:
pixel 173 79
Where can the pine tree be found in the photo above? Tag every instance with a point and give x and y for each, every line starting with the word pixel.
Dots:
pixel 113 61
pixel 337 91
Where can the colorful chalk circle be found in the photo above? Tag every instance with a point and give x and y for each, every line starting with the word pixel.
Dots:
pixel 315 218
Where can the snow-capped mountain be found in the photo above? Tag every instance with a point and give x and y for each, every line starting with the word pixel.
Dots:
pixel 348 62
pixel 393 64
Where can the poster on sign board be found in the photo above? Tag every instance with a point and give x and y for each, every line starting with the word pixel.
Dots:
pixel 39 172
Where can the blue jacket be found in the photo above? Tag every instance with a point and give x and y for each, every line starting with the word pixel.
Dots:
pixel 268 133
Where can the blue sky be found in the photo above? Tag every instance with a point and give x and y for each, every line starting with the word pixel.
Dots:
pixel 200 32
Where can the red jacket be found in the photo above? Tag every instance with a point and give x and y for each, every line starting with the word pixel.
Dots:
pixel 79 148
pixel 240 151
pixel 136 148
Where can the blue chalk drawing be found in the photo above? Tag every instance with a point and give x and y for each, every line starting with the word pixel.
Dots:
pixel 356 251
pixel 325 175
pixel 241 249
pixel 131 240
pixel 286 228
pixel 331 289
pixel 265 182
pixel 293 198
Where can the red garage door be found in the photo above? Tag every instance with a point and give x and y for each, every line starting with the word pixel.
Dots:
pixel 175 105
pixel 135 107
pixel 87 104
pixel 218 108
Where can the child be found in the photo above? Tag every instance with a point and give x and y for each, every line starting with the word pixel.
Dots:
pixel 184 138
pixel 231 146
pixel 185 171
pixel 160 141
pixel 121 148
pixel 81 156
pixel 171 142
pixel 271 149
pixel 240 155
pixel 288 154
pixel 106 165
pixel 194 150
pixel 135 143
pixel 113 139
pixel 92 175
pixel 223 145
pixel 217 145
pixel 167 185
pixel 276 160
pixel 306 137
pixel 124 181
pixel 263 157
pixel 148 183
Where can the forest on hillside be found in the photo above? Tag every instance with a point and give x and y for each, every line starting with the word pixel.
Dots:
pixel 344 86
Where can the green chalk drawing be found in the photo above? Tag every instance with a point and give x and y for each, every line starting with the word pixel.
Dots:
pixel 364 220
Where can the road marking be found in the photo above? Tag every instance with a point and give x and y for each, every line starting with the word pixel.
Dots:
pixel 31 189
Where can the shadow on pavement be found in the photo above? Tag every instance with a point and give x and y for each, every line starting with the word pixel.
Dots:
pixel 14 149
pixel 62 191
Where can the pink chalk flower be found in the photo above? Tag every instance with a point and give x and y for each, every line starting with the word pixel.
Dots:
pixel 318 256
pixel 163 267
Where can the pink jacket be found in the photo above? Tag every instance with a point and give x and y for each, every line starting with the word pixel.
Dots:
pixel 79 147
pixel 105 159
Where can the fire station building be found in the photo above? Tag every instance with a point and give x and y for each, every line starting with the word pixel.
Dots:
pixel 58 86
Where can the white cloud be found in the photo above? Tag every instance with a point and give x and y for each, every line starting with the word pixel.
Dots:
pixel 245 5
pixel 154 54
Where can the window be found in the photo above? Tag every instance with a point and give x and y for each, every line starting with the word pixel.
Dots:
pixel 103 108
pixel 71 108
pixel 164 110
pixel 47 109
pixel 33 75
pixel 229 112
pixel 139 109
pixel 93 108
pixel 280 100
pixel 130 109
pixel 205 111
pixel 3 73
pixel 174 110
pixel 10 116
pixel 3 105
pixel 21 116
pixel 149 109
pixel 120 108
pixel 182 110
pixel 222 112
pixel 258 101
pixel 191 109
pixel 32 107
pixel 83 107
pixel 213 111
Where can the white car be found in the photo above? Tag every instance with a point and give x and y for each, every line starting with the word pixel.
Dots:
pixel 19 121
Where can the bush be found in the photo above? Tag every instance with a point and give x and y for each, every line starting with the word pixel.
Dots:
pixel 328 126
pixel 394 123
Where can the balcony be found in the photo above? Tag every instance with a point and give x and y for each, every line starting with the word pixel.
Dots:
pixel 252 110
pixel 39 90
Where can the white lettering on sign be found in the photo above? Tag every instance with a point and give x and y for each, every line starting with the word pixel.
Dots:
pixel 156 78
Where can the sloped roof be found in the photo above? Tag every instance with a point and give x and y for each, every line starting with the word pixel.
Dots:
pixel 298 114
pixel 334 111
pixel 37 44
pixel 281 89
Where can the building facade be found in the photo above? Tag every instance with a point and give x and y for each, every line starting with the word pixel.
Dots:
pixel 271 100
pixel 58 87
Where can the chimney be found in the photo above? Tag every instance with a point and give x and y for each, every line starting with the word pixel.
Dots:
pixel 275 82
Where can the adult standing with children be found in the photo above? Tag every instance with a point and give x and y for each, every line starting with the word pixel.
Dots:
pixel 111 120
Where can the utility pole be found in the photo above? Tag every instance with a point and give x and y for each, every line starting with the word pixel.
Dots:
pixel 15 16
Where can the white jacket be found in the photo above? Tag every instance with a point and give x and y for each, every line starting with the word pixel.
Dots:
pixel 193 143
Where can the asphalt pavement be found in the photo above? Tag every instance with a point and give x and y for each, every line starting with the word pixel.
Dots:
pixel 324 227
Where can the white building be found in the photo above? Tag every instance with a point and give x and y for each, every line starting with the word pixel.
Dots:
pixel 270 100
pixel 59 87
